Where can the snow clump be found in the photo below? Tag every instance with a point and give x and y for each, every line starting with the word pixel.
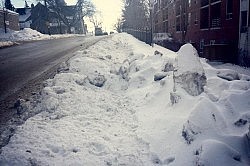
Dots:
pixel 190 74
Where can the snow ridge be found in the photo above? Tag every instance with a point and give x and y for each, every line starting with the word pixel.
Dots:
pixel 119 103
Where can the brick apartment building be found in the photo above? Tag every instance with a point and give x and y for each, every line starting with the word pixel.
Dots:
pixel 11 19
pixel 212 26
pixel 244 41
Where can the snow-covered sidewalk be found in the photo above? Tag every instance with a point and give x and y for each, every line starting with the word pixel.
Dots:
pixel 123 102
pixel 27 34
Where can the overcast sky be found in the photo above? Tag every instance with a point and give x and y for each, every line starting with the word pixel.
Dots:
pixel 110 10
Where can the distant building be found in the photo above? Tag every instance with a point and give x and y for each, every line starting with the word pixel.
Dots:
pixel 39 17
pixel 11 19
pixel 24 14
pixel 46 20
pixel 212 26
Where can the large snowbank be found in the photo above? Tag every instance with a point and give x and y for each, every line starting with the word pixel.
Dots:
pixel 112 107
pixel 27 34
pixel 189 72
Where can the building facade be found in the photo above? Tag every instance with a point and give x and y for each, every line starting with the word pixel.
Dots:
pixel 24 14
pixel 212 26
pixel 244 41
pixel 46 20
pixel 9 19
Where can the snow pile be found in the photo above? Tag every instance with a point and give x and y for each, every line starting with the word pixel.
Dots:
pixel 111 106
pixel 189 73
pixel 27 34
pixel 6 44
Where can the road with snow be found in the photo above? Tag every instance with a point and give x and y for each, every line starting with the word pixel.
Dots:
pixel 24 67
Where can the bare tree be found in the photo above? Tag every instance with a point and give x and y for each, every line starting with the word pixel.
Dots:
pixel 82 9
pixel 96 19
pixel 118 25
pixel 136 14
pixel 8 5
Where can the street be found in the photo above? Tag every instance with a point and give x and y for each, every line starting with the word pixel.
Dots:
pixel 24 67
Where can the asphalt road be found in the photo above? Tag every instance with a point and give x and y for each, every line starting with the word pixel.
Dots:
pixel 24 67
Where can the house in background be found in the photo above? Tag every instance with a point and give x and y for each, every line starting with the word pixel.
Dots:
pixel 11 20
pixel 46 20
pixel 24 14
pixel 39 17
pixel 212 26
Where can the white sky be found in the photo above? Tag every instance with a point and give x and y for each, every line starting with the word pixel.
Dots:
pixel 110 10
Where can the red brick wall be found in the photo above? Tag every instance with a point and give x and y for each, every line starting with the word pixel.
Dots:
pixel 227 33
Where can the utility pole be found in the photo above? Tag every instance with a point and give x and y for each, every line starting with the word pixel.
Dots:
pixel 151 8
pixel 47 18
pixel 4 19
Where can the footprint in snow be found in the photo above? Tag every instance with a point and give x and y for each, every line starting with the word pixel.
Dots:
pixel 98 149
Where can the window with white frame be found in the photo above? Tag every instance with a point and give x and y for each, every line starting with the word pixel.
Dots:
pixel 195 18
pixel 189 18
pixel 201 44
pixel 229 10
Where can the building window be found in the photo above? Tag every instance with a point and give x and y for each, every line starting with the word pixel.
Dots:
pixel 165 14
pixel 178 8
pixel 204 22
pixel 165 26
pixel 215 1
pixel 204 3
pixel 201 44
pixel 156 18
pixel 165 2
pixel 195 19
pixel 243 26
pixel 159 5
pixel 212 42
pixel 229 14
pixel 215 15
pixel 189 18
pixel 178 24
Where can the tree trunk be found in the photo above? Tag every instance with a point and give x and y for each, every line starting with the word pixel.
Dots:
pixel 69 29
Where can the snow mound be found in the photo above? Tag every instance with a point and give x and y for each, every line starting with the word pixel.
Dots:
pixel 209 154
pixel 190 74
pixel 205 117
pixel 27 34
pixel 228 75
pixel 104 107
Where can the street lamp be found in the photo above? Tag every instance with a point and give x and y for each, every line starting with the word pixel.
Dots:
pixel 4 18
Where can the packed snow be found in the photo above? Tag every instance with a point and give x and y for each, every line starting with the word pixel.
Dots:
pixel 122 102
pixel 27 34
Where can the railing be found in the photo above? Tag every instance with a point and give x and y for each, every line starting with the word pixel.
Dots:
pixel 144 35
